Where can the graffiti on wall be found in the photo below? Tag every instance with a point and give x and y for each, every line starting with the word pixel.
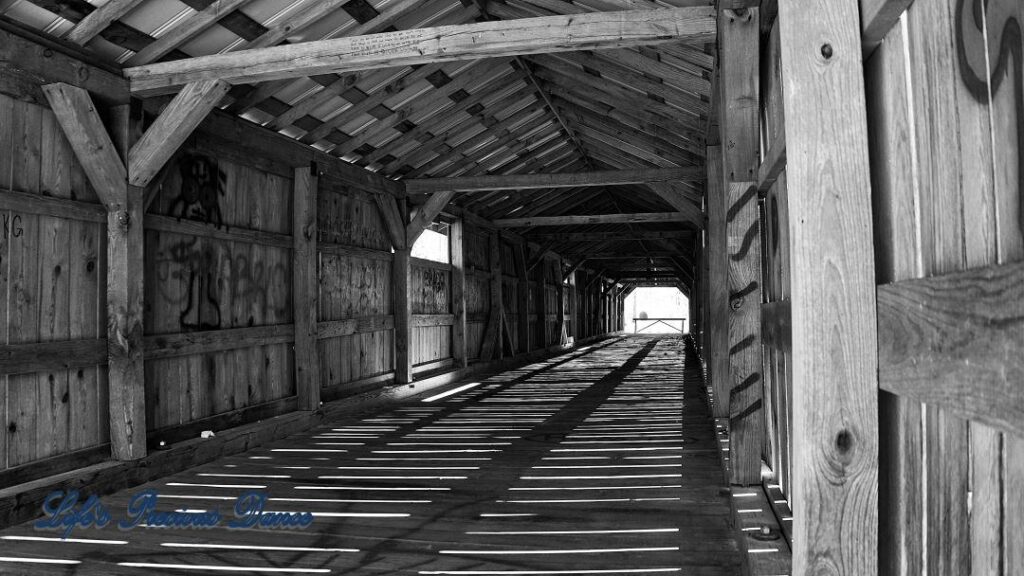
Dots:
pixel 195 277
pixel 202 185
pixel 1002 54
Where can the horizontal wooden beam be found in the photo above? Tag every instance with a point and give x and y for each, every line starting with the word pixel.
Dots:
pixel 426 320
pixel 60 355
pixel 349 326
pixel 954 341
pixel 641 218
pixel 566 180
pixel 599 30
pixel 612 236
pixel 187 343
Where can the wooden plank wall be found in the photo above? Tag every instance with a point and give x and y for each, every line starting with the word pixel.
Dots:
pixel 52 289
pixel 478 289
pixel 431 309
pixel 946 118
pixel 205 274
pixel 355 284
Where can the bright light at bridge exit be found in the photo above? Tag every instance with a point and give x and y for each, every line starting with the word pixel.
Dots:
pixel 657 310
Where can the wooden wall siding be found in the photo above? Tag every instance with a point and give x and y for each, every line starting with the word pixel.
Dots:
pixel 431 294
pixel 52 279
pixel 478 289
pixel 199 283
pixel 946 155
pixel 354 284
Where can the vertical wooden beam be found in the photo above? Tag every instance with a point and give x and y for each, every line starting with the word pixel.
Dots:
pixel 542 303
pixel 834 337
pixel 560 308
pixel 457 245
pixel 493 334
pixel 717 346
pixel 496 306
pixel 523 293
pixel 739 85
pixel 127 391
pixel 305 287
pixel 401 286
pixel 125 302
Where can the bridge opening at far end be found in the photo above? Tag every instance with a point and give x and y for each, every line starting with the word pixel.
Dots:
pixel 656 310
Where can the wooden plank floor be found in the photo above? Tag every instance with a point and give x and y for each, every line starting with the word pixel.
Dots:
pixel 602 461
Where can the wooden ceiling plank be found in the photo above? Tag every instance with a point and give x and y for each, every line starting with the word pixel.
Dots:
pixel 426 45
pixel 654 134
pixel 612 71
pixel 590 133
pixel 427 134
pixel 407 89
pixel 462 150
pixel 185 31
pixel 666 150
pixel 560 69
pixel 98 20
pixel 625 111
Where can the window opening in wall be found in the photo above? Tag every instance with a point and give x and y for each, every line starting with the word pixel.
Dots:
pixel 433 244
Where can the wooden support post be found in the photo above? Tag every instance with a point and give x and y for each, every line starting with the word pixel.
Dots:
pixel 524 299
pixel 305 287
pixel 716 349
pixel 542 304
pixel 401 273
pixel 127 391
pixel 493 334
pixel 834 347
pixel 739 85
pixel 96 151
pixel 560 307
pixel 457 246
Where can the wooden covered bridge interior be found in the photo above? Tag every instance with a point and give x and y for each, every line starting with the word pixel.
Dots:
pixel 214 282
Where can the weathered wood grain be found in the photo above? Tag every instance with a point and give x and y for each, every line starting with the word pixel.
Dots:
pixel 401 288
pixel 934 332
pixel 93 147
pixel 835 390
pixel 425 45
pixel 305 286
pixel 124 327
pixel 717 346
pixel 466 184
pixel 171 128
pixel 98 20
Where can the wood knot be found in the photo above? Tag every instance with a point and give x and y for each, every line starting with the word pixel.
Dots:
pixel 826 51
pixel 844 441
